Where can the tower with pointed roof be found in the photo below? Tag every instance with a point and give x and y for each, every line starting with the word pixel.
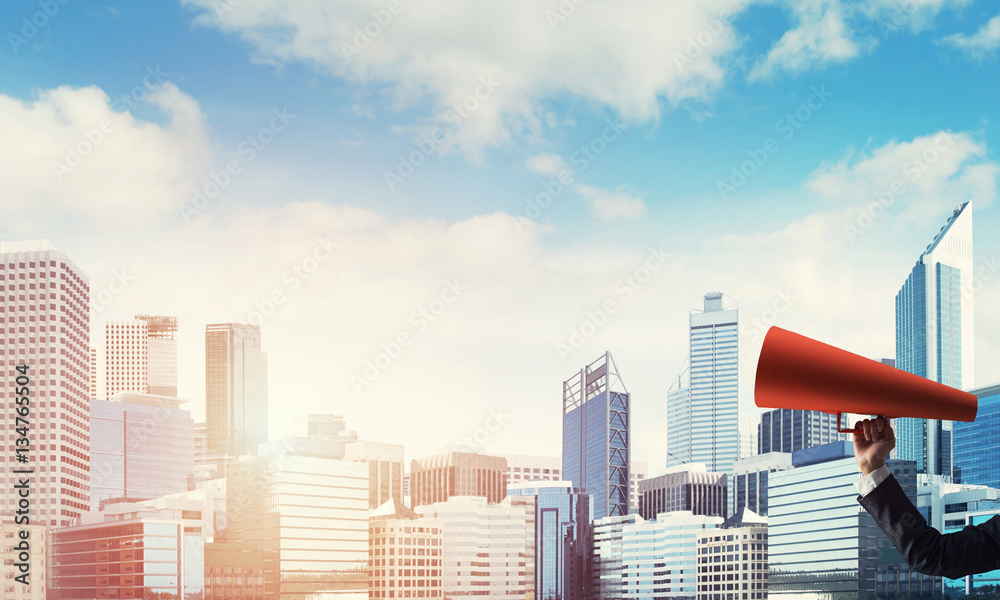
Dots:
pixel 934 336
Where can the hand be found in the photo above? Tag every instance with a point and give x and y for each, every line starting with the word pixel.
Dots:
pixel 872 446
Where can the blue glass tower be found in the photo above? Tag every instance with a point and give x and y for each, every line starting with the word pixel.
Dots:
pixel 934 336
pixel 563 537
pixel 596 454
pixel 977 443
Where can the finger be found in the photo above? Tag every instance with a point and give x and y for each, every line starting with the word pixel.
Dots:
pixel 868 430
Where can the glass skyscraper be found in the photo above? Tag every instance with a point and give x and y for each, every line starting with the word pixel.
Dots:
pixel 148 554
pixel 691 489
pixel 562 539
pixel 821 542
pixel 703 417
pixel 597 436
pixel 934 336
pixel 977 443
pixel 752 475
pixel 307 514
pixel 235 389
pixel 141 447
pixel 607 563
pixel 787 430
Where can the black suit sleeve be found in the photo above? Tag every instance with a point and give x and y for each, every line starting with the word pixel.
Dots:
pixel 974 549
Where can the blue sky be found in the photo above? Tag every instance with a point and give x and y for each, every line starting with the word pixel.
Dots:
pixel 698 93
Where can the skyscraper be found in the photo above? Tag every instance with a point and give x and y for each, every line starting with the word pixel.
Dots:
pixel 385 469
pixel 597 440
pixel 607 564
pixel 145 553
pixel 787 430
pixel 307 513
pixel 660 557
pixel 522 467
pixel 94 385
pixel 752 476
pixel 934 336
pixel 483 548
pixel 562 541
pixel 704 417
pixel 161 342
pixel 45 326
pixel 979 439
pixel 689 488
pixel 140 356
pixel 395 531
pixel 235 389
pixel 744 531
pixel 820 543
pixel 141 447
pixel 437 478
pixel 126 358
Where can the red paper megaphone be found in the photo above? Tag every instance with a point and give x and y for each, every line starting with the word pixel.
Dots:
pixel 800 373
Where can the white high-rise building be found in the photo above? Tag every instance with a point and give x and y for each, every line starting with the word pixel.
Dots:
pixel 126 358
pixel 659 557
pixel 161 332
pixel 732 561
pixel 307 513
pixel 607 557
pixel 527 467
pixel 704 415
pixel 95 386
pixel 45 330
pixel 385 469
pixel 141 356
pixel 484 547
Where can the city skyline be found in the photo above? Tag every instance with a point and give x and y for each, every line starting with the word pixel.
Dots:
pixel 300 428
pixel 571 213
pixel 342 254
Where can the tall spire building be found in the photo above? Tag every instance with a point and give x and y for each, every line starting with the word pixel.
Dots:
pixel 597 439
pixel 934 336
pixel 703 417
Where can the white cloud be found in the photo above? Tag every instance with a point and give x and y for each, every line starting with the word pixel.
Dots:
pixel 604 203
pixel 612 204
pixel 820 36
pixel 979 45
pixel 76 156
pixel 486 73
pixel 547 164
pixel 629 56
pixel 892 16
pixel 827 32
pixel 911 178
